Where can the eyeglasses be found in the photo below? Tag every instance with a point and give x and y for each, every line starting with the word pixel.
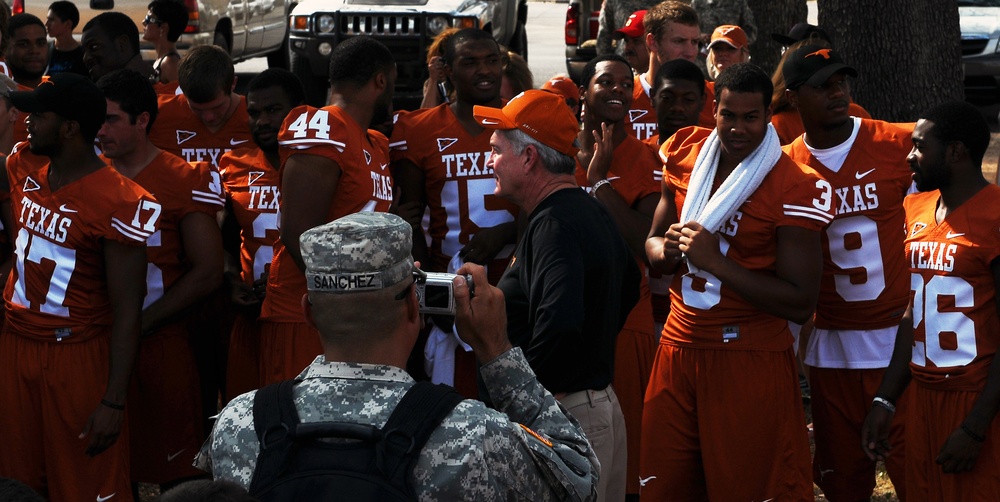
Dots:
pixel 150 20
pixel 419 277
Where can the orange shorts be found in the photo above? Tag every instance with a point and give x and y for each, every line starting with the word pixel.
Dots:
pixel 634 353
pixel 934 415
pixel 286 348
pixel 243 366
pixel 165 409
pixel 724 425
pixel 48 390
pixel 841 399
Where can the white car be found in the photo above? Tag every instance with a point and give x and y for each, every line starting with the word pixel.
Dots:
pixel 980 20
pixel 406 27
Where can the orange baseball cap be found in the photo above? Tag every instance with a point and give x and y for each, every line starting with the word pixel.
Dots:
pixel 543 115
pixel 633 26
pixel 730 34
pixel 563 85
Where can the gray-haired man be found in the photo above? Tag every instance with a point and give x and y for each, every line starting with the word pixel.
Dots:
pixel 476 453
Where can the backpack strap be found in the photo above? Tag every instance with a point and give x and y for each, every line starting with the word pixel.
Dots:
pixel 417 415
pixel 273 415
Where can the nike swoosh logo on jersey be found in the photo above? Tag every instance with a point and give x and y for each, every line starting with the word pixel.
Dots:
pixel 860 174
pixel 642 482
pixel 233 142
pixel 65 209
pixel 952 235
pixel 102 499
pixel 172 457
pixel 383 166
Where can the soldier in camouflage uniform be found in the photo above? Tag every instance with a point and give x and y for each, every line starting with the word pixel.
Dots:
pixel 529 450
pixel 614 14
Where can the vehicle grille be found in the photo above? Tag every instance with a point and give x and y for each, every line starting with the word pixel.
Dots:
pixel 973 46
pixel 386 25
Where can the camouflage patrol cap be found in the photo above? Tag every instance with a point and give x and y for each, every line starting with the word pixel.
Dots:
pixel 365 251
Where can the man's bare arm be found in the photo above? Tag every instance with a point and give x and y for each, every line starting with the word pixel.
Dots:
pixel 307 188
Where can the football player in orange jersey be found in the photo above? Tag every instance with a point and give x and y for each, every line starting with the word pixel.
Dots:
pixel 27 51
pixel 723 418
pixel 209 118
pixel 439 162
pixel 250 176
pixel 332 164
pixel 615 167
pixel 864 286
pixel 73 302
pixel 185 265
pixel 947 340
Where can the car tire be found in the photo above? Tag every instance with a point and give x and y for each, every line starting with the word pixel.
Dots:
pixel 315 88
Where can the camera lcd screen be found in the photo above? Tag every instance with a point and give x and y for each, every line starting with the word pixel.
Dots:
pixel 436 296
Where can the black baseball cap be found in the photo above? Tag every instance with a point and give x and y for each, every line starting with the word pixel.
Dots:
pixel 800 32
pixel 70 96
pixel 812 65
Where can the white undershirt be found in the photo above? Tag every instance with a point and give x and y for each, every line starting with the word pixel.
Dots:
pixel 834 157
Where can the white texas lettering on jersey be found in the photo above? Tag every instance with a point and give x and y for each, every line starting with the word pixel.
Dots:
pixel 857 198
pixel 460 165
pixel 933 256
pixel 264 197
pixel 53 225
pixel 193 155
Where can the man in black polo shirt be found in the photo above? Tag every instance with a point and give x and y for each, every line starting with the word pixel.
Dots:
pixel 572 281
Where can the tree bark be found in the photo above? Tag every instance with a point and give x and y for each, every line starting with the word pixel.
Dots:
pixel 907 52
pixel 773 16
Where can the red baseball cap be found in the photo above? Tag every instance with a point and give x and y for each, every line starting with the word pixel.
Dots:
pixel 730 34
pixel 543 115
pixel 563 85
pixel 633 26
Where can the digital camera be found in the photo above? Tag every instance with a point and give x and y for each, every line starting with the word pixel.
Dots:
pixel 436 293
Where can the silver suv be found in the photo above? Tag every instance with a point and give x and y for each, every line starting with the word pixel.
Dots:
pixel 406 27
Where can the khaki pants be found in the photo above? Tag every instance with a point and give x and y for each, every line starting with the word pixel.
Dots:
pixel 601 417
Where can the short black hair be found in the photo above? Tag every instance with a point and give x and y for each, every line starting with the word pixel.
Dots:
pixel 591 68
pixel 19 21
pixel 66 11
pixel 172 12
pixel 745 77
pixel 278 77
pixel 680 69
pixel 356 60
pixel 132 92
pixel 962 122
pixel 114 25
pixel 462 36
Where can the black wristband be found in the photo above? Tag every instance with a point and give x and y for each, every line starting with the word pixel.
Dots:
pixel 973 435
pixel 113 406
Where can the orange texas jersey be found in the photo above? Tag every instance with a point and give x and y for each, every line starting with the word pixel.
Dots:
pixel 181 189
pixel 788 123
pixel 459 186
pixel 252 186
pixel 21 161
pixel 57 289
pixel 707 116
pixel 179 131
pixel 706 313
pixel 954 297
pixel 641 118
pixel 630 177
pixel 864 274
pixel 365 184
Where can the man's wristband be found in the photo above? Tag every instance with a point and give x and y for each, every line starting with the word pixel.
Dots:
pixel 978 438
pixel 598 185
pixel 113 406
pixel 885 403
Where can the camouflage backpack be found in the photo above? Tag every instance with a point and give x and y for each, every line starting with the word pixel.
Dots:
pixel 296 462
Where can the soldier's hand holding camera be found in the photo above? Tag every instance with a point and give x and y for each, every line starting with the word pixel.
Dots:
pixel 481 319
